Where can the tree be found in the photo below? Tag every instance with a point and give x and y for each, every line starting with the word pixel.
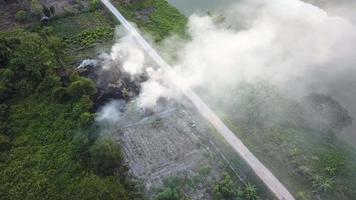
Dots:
pixel 303 196
pixel 46 11
pixel 21 15
pixel 106 157
pixel 95 4
pixel 36 8
pixel 168 194
pixel 321 184
pixel 225 189
pixel 4 142
pixel 80 87
pixel 86 119
pixel 3 91
pixel 7 75
pixel 31 57
pixel 52 10
pixel 5 51
pixel 250 192
pixel 50 82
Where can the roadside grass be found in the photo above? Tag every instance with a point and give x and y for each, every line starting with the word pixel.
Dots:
pixel 287 152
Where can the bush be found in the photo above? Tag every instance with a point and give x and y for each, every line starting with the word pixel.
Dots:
pixel 49 82
pixel 36 7
pixel 3 91
pixel 60 94
pixel 250 192
pixel 82 86
pixel 322 184
pixel 225 189
pixel 106 157
pixel 303 196
pixel 168 194
pixel 7 75
pixel 4 142
pixel 86 119
pixel 21 15
pixel 94 5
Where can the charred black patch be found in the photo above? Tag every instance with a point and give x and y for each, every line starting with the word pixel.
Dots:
pixel 111 83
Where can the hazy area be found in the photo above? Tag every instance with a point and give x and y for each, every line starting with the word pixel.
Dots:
pixel 251 99
pixel 340 83
pixel 190 6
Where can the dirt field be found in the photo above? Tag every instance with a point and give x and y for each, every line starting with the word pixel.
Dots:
pixel 169 144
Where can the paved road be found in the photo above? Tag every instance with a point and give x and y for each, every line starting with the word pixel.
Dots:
pixel 262 172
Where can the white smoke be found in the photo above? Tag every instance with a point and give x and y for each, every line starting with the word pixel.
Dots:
pixel 343 8
pixel 284 41
pixel 132 56
pixel 292 44
pixel 127 56
pixel 111 112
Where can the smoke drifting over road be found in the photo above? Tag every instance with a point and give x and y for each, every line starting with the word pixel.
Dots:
pixel 293 45
pixel 281 41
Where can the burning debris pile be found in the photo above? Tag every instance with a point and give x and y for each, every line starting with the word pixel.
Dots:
pixel 112 82
pixel 158 136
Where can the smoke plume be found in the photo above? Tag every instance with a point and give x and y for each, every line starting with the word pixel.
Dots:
pixel 294 45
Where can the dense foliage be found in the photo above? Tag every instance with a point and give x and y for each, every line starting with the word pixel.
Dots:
pixel 48 145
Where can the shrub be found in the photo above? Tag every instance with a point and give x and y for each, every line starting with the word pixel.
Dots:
pixel 94 5
pixel 52 10
pixel 3 91
pixel 225 189
pixel 7 75
pixel 303 196
pixel 4 142
pixel 82 86
pixel 168 194
pixel 322 184
pixel 60 94
pixel 36 7
pixel 49 82
pixel 21 15
pixel 106 157
pixel 46 11
pixel 250 192
pixel 86 119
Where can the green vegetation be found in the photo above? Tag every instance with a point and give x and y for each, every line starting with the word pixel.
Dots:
pixel 90 37
pixel 36 8
pixel 95 4
pixel 164 21
pixel 168 194
pixel 225 189
pixel 295 140
pixel 21 15
pixel 48 146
